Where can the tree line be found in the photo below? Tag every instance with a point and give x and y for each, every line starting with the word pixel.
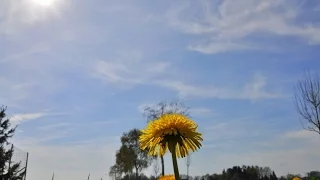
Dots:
pixel 235 173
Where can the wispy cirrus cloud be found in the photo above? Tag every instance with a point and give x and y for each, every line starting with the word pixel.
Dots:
pixel 301 135
pixel 18 118
pixel 21 118
pixel 232 129
pixel 202 111
pixel 131 68
pixel 228 26
pixel 14 91
pixel 253 90
pixel 40 48
pixel 54 126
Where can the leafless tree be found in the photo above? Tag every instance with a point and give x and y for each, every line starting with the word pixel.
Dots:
pixel 115 172
pixel 163 107
pixel 264 171
pixel 307 102
pixel 156 111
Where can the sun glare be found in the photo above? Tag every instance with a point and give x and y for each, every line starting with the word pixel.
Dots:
pixel 44 2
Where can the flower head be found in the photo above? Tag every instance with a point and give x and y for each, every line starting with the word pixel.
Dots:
pixel 167 177
pixel 171 130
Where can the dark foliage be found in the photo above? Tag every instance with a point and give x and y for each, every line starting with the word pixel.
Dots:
pixel 130 157
pixel 238 173
pixel 8 169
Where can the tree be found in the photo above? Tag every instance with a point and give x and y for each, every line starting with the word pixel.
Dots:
pixel 314 174
pixel 282 178
pixel 224 174
pixel 8 169
pixel 115 172
pixel 274 176
pixel 265 172
pixel 130 156
pixel 125 158
pixel 307 102
pixel 154 112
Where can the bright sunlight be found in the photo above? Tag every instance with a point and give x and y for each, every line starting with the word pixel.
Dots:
pixel 43 2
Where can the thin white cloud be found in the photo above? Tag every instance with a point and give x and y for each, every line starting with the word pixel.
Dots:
pixel 228 25
pixel 218 126
pixel 23 142
pixel 22 55
pixel 13 91
pixel 233 129
pixel 101 123
pixel 301 135
pixel 223 125
pixel 68 126
pixel 293 139
pixel 131 68
pixel 201 111
pixel 254 90
pixel 213 48
pixel 54 126
pixel 18 118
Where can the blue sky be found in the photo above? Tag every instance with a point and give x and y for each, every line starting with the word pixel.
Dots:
pixel 75 75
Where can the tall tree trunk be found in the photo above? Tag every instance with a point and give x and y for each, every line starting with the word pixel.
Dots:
pixel 162 165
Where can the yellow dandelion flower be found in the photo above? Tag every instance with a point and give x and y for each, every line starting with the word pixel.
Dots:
pixel 296 178
pixel 167 177
pixel 175 132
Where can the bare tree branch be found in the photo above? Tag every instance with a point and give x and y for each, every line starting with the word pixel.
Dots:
pixel 163 107
pixel 307 102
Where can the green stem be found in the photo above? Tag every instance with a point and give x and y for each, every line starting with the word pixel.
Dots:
pixel 174 161
pixel 162 165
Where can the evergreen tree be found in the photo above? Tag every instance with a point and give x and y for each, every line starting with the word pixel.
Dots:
pixel 274 176
pixel 8 170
